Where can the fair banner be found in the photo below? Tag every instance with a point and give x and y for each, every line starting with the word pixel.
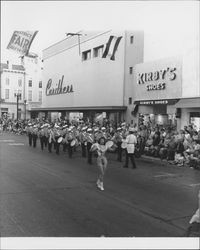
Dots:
pixel 21 41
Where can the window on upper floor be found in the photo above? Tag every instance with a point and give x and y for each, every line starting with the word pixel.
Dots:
pixel 30 95
pixel 98 51
pixel 19 82
pixel 7 81
pixel 7 93
pixel 40 96
pixel 130 100
pixel 40 84
pixel 131 39
pixel 130 70
pixel 30 83
pixel 86 55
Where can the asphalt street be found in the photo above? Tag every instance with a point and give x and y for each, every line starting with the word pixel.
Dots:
pixel 49 195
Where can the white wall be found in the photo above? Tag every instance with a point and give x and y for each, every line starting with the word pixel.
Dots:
pixel 96 82
pixel 182 44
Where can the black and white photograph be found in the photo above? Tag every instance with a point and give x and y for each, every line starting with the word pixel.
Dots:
pixel 100 125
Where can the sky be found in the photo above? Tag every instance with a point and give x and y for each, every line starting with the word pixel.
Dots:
pixel 53 19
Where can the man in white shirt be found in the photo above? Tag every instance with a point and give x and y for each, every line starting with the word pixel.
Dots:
pixel 131 141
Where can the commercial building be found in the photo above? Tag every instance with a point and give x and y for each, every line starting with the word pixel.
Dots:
pixel 91 73
pixel 167 91
pixel 123 75
pixel 23 80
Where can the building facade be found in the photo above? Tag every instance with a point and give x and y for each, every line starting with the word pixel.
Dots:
pixel 165 95
pixel 91 74
pixel 12 83
pixel 25 80
pixel 123 76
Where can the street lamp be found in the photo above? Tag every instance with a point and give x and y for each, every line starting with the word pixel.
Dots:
pixel 76 34
pixel 25 102
pixel 18 95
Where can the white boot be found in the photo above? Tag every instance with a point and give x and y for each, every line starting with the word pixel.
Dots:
pixel 98 183
pixel 101 186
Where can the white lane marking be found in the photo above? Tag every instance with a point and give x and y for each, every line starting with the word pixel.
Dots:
pixel 16 144
pixel 194 185
pixel 7 140
pixel 163 175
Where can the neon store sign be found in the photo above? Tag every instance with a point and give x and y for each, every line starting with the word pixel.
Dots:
pixel 161 76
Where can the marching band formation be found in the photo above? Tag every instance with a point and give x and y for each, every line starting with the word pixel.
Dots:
pixel 93 140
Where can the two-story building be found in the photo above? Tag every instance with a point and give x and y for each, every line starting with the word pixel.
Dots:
pixel 91 73
pixel 24 79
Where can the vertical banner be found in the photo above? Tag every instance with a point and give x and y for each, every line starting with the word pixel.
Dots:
pixel 21 41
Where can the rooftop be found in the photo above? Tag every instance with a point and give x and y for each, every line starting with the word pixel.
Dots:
pixel 14 67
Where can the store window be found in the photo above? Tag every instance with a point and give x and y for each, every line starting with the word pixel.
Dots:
pixel 86 55
pixel 30 83
pixel 130 100
pixel 40 96
pixel 30 95
pixel 40 84
pixel 195 120
pixel 131 39
pixel 130 70
pixel 7 81
pixel 98 51
pixel 20 82
pixel 6 93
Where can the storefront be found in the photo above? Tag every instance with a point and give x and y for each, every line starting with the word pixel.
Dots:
pixel 157 88
pixel 160 112
pixel 189 112
pixel 89 78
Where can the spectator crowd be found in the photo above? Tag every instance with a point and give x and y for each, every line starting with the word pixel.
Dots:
pixel 181 148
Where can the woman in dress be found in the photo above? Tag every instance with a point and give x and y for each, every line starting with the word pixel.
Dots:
pixel 101 147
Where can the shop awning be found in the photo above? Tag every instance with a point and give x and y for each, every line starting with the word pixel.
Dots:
pixel 188 103
pixel 58 109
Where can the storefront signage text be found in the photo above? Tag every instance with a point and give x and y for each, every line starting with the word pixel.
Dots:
pixel 59 89
pixel 153 102
pixel 157 102
pixel 164 74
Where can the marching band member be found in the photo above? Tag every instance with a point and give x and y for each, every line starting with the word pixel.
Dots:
pixel 131 141
pixel 35 135
pixel 103 133
pixel 59 134
pixel 70 138
pixel 90 141
pixel 64 135
pixel 45 134
pixel 96 134
pixel 118 140
pixel 83 140
pixel 30 133
pixel 51 138
pixel 41 135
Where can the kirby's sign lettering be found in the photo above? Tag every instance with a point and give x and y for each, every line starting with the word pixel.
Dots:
pixel 167 74
pixel 59 89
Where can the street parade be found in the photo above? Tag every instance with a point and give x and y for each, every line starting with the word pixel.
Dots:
pixel 181 148
pixel 99 127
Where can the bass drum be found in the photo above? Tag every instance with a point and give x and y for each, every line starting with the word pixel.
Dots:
pixel 60 139
pixel 124 145
pixel 73 143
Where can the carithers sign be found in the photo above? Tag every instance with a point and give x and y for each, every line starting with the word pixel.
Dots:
pixel 59 89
